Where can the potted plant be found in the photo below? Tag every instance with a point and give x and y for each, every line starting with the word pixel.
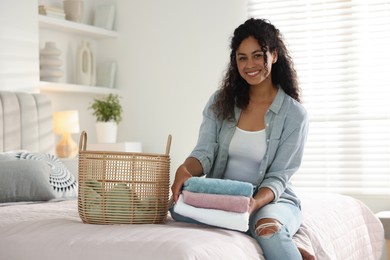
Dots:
pixel 108 113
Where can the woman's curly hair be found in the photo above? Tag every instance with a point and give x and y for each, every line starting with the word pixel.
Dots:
pixel 234 90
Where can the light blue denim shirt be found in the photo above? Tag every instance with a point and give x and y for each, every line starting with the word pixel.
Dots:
pixel 286 130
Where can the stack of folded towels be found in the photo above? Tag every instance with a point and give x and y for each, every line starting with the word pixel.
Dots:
pixel 216 202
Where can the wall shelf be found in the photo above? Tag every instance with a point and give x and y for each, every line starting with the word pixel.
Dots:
pixel 80 30
pixel 45 86
pixel 75 28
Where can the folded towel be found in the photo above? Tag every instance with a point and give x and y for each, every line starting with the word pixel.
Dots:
pixel 94 184
pixel 218 186
pixel 231 203
pixel 121 200
pixel 213 217
pixel 93 202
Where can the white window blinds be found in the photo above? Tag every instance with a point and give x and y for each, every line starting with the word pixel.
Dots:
pixel 341 51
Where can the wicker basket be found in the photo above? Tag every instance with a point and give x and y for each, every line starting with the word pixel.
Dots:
pixel 122 187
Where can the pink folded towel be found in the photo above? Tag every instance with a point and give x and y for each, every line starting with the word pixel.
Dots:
pixel 232 203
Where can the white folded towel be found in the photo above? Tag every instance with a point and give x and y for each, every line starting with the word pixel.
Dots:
pixel 214 217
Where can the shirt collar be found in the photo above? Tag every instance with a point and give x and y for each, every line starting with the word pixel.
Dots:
pixel 278 101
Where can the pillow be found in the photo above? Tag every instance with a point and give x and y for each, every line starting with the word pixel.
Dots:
pixel 7 157
pixel 25 181
pixel 26 176
pixel 61 179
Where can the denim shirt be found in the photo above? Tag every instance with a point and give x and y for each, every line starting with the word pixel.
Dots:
pixel 286 127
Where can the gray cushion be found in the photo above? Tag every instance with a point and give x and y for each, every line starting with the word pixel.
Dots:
pixel 7 157
pixel 25 181
pixel 26 176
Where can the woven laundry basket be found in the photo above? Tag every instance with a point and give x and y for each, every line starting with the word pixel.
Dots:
pixel 122 187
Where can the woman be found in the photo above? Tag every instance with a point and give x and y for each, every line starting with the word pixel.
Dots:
pixel 254 130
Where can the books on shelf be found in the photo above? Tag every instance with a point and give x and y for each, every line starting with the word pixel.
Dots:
pixel 51 11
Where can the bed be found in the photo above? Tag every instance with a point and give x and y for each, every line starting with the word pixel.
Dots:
pixel 334 226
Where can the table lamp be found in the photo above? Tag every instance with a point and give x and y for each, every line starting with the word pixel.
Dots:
pixel 66 123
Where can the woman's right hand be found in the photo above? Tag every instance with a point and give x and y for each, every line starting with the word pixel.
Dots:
pixel 182 174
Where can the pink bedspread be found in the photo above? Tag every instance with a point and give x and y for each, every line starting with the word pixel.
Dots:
pixel 335 227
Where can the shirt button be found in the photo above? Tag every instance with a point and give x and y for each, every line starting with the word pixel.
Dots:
pixel 267 140
pixel 267 125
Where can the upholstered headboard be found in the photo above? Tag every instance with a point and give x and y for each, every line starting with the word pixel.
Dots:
pixel 26 122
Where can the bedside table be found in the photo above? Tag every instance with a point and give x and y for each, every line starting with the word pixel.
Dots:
pixel 384 216
pixel 134 147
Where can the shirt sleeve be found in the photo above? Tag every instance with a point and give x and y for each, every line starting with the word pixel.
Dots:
pixel 288 156
pixel 207 145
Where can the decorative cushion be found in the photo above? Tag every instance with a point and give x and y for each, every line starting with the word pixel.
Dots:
pixel 54 176
pixel 25 181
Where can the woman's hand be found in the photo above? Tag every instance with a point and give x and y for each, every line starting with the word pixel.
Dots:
pixel 182 174
pixel 260 199
pixel 253 206
pixel 190 167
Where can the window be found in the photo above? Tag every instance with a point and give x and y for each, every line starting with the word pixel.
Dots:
pixel 341 51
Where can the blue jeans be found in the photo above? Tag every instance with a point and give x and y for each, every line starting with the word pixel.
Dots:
pixel 280 244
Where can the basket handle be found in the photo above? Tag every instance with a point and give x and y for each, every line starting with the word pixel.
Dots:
pixel 168 149
pixel 83 141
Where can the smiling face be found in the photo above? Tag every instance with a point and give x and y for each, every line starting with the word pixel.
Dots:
pixel 251 64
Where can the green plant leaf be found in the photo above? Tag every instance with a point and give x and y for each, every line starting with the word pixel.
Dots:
pixel 107 109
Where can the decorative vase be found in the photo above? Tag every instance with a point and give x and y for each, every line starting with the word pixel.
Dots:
pixel 74 10
pixel 93 67
pixel 106 132
pixel 84 64
pixel 50 63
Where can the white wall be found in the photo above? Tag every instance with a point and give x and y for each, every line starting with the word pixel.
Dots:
pixel 19 61
pixel 171 57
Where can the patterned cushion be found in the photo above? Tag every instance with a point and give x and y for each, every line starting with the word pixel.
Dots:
pixel 26 176
pixel 61 179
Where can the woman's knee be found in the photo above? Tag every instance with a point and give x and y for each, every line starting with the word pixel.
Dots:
pixel 266 227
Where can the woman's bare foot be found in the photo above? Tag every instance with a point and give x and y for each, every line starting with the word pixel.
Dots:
pixel 306 255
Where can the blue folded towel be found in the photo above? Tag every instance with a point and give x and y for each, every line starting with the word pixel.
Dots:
pixel 218 186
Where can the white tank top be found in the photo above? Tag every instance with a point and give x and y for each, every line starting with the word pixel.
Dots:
pixel 246 151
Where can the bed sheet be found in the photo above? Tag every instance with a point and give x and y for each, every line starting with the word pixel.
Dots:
pixel 54 230
pixel 335 227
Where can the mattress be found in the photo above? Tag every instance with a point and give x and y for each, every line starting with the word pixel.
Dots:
pixel 334 227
